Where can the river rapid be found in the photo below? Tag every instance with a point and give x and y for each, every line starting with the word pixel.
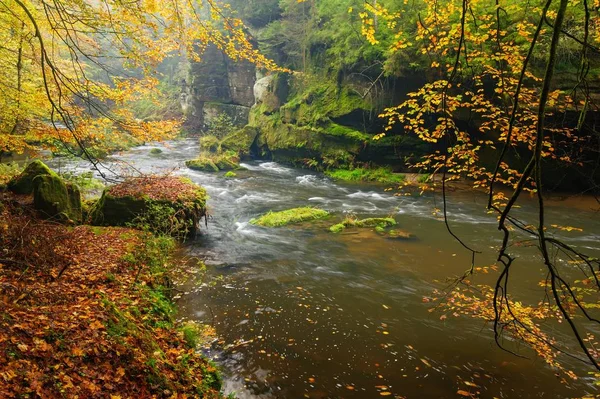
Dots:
pixel 301 312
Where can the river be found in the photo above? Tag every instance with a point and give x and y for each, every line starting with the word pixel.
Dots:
pixel 301 312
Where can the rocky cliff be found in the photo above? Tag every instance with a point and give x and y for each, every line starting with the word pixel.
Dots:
pixel 217 85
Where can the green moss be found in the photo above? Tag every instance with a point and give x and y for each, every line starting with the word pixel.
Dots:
pixel 230 174
pixel 378 223
pixel 203 164
pixel 295 215
pixel 215 162
pixel 381 175
pixel 347 132
pixel 156 151
pixel 23 184
pixel 317 100
pixel 210 143
pixel 240 141
pixel 57 199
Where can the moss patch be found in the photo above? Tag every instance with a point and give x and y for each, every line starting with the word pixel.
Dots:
pixel 23 184
pixel 57 199
pixel 295 215
pixel 240 141
pixel 156 151
pixel 210 143
pixel 203 164
pixel 381 175
pixel 377 223
pixel 215 162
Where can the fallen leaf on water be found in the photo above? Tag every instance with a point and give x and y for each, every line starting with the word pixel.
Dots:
pixel 463 393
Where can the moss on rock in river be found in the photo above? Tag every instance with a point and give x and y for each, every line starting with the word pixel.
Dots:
pixel 210 143
pixel 240 141
pixel 23 183
pixel 283 218
pixel 215 162
pixel 203 164
pixel 378 223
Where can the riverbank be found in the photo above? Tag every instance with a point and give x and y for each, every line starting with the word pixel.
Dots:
pixel 86 312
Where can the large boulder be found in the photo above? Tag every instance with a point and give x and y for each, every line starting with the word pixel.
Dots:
pixel 56 199
pixel 162 204
pixel 23 184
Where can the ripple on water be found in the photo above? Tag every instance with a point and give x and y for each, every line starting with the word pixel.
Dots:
pixel 372 195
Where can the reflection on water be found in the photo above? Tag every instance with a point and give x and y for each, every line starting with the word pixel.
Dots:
pixel 302 312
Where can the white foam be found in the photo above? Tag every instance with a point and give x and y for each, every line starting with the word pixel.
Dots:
pixel 371 195
pixel 275 167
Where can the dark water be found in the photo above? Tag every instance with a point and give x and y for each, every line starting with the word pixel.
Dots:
pixel 301 312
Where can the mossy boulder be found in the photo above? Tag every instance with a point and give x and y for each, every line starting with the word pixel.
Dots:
pixel 23 183
pixel 203 164
pixel 153 202
pixel 210 143
pixel 215 162
pixel 56 199
pixel 156 151
pixel 240 141
pixel 290 216
pixel 378 223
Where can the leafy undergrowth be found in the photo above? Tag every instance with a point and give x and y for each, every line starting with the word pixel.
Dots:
pixel 381 175
pixel 159 188
pixel 85 312
pixel 8 171
pixel 295 215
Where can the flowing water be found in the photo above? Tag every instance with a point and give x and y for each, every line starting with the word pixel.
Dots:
pixel 301 312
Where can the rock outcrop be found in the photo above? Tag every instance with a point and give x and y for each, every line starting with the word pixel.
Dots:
pixel 217 85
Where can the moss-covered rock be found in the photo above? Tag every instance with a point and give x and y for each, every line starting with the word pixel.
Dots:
pixel 156 151
pixel 295 215
pixel 230 175
pixel 240 141
pixel 56 199
pixel 215 162
pixel 210 143
pixel 164 204
pixel 377 223
pixel 23 183
pixel 203 164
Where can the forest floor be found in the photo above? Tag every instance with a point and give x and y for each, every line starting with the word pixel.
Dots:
pixel 85 312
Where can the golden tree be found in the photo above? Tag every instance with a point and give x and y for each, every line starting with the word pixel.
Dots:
pixel 68 67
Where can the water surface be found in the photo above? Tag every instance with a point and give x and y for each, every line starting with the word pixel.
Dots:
pixel 301 312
